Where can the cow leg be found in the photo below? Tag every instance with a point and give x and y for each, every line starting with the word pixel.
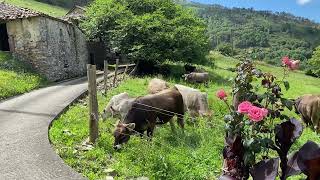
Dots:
pixel 173 128
pixel 315 123
pixel 141 134
pixel 150 130
pixel 193 115
pixel 206 84
pixel 181 123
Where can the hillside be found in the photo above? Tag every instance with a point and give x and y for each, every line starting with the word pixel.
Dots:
pixel 261 34
pixel 51 10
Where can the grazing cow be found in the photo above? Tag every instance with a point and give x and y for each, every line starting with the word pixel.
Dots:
pixel 156 85
pixel 309 108
pixel 197 77
pixel 118 105
pixel 195 102
pixel 145 112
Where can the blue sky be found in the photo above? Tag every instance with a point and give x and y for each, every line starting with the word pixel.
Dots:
pixel 304 8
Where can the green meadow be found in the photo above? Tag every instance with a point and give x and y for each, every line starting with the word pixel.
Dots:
pixel 197 154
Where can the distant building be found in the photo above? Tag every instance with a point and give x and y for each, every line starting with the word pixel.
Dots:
pixel 55 48
pixel 75 15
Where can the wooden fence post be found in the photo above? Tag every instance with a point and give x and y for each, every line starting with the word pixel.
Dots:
pixel 105 76
pixel 93 103
pixel 115 72
pixel 125 72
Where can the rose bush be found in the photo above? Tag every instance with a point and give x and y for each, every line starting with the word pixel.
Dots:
pixel 257 124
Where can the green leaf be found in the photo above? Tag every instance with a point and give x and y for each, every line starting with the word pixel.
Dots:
pixel 288 103
pixel 286 85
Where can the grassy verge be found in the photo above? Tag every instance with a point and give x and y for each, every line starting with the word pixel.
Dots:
pixel 16 77
pixel 51 10
pixel 195 155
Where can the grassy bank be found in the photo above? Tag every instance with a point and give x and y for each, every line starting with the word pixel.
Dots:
pixel 195 155
pixel 51 10
pixel 17 77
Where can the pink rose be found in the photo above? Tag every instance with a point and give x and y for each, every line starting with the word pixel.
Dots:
pixel 294 65
pixel 221 94
pixel 256 114
pixel 286 61
pixel 265 112
pixel 244 107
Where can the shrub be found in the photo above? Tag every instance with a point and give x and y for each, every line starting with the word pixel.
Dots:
pixel 314 63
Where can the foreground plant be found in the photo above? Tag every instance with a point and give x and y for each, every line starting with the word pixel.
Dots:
pixel 257 125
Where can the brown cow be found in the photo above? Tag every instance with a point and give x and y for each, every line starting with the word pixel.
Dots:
pixel 309 108
pixel 146 110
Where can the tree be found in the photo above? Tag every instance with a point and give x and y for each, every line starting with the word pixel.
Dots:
pixel 314 62
pixel 225 49
pixel 148 30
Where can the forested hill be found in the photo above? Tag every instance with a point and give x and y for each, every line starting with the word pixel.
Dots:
pixel 263 34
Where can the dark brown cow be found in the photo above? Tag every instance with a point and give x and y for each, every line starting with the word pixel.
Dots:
pixel 147 111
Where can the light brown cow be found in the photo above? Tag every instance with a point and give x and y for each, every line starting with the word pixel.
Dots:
pixel 195 101
pixel 156 85
pixel 118 105
pixel 309 108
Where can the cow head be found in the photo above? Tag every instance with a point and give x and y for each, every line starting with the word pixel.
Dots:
pixel 186 76
pixel 108 111
pixel 122 134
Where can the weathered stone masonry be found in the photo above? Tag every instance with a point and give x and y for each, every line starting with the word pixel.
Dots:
pixel 56 49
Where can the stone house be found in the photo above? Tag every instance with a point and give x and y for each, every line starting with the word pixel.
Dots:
pixel 55 48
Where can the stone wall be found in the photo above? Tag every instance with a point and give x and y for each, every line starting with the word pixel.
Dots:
pixel 54 48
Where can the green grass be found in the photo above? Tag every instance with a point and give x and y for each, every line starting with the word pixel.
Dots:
pixel 48 9
pixel 194 155
pixel 17 77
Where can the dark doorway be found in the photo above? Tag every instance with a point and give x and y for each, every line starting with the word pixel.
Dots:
pixel 92 60
pixel 4 39
pixel 97 54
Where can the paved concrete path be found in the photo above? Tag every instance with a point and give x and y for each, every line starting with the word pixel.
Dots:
pixel 25 151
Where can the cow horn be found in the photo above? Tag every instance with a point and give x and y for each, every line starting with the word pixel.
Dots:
pixel 131 126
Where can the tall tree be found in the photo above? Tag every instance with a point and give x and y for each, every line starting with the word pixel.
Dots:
pixel 148 30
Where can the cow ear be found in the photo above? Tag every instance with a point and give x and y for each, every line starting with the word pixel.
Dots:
pixel 131 126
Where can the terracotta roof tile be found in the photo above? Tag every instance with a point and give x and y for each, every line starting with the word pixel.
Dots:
pixel 11 12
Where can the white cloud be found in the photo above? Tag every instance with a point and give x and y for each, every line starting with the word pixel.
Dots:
pixel 303 2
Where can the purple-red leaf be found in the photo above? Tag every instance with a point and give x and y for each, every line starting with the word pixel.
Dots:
pixel 286 133
pixel 292 165
pixel 265 169
pixel 306 160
